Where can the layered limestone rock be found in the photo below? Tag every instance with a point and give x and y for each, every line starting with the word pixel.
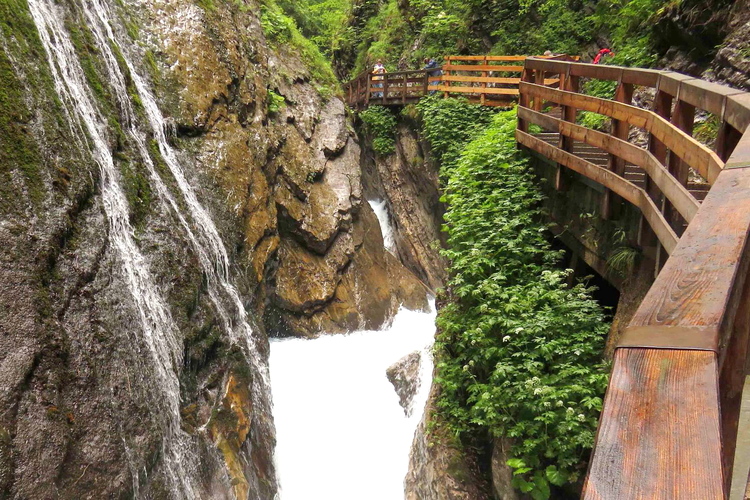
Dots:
pixel 411 186
pixel 439 471
pixel 404 375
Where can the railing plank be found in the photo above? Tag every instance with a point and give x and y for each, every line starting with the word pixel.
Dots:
pixel 477 90
pixel 483 67
pixel 659 404
pixel 608 179
pixel 705 161
pixel 686 204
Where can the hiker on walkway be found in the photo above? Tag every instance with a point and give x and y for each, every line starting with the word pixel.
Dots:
pixel 432 69
pixel 602 54
pixel 378 70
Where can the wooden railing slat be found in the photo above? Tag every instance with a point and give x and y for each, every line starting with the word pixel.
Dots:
pixel 610 180
pixel 688 149
pixel 659 404
pixel 483 67
pixel 673 190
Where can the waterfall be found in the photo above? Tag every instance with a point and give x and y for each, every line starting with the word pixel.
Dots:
pixel 159 330
pixel 341 431
pixel 380 207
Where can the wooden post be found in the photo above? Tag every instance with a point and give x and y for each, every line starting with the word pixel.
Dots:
pixel 646 236
pixel 385 89
pixel 568 113
pixel 621 130
pixel 368 87
pixel 527 75
pixel 446 83
pixel 403 91
pixel 426 83
pixel 727 140
pixel 683 118
pixel 483 84
pixel 539 80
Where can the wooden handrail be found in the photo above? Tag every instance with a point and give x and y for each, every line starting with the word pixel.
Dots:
pixel 462 76
pixel 672 189
pixel 698 156
pixel 669 422
pixel 627 190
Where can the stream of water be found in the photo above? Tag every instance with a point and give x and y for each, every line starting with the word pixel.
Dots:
pixel 159 331
pixel 341 433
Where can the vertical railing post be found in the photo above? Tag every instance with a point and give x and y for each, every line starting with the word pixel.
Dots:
pixel 569 83
pixel 621 130
pixel 426 90
pixel 539 80
pixel 446 83
pixel 368 78
pixel 403 91
pixel 727 140
pixel 485 74
pixel 646 236
pixel 527 75
pixel 385 89
pixel 683 118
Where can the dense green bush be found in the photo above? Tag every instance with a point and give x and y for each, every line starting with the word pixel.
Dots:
pixel 519 352
pixel 279 28
pixel 380 124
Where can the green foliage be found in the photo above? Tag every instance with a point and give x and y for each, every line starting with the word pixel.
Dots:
pixel 594 120
pixel 380 124
pixel 324 22
pixel 518 351
pixel 275 102
pixel 707 129
pixel 282 29
pixel 449 124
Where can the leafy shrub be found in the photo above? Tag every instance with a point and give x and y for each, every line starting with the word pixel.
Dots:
pixel 275 102
pixel 449 124
pixel 281 29
pixel 381 125
pixel 518 351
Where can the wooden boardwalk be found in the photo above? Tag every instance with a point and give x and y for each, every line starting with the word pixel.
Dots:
pixel 486 80
pixel 669 424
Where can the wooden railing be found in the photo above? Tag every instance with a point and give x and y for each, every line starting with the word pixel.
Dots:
pixel 488 80
pixel 669 423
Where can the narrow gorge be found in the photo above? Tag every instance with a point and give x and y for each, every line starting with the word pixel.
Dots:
pixel 221 278
pixel 176 187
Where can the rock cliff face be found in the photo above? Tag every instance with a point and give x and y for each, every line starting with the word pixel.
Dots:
pixel 410 184
pixel 160 211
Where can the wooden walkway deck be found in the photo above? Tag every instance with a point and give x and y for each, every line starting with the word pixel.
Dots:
pixel 669 425
pixel 670 419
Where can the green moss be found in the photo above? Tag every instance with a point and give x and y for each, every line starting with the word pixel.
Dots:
pixel 137 191
pixel 207 5
pixel 150 60
pixel 281 29
pixel 85 47
pixel 18 148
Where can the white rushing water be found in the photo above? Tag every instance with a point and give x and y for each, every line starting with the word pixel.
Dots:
pixel 380 207
pixel 341 433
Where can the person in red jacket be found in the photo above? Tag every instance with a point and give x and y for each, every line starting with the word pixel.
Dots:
pixel 601 54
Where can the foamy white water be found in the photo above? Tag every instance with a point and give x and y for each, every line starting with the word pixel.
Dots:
pixel 380 207
pixel 341 433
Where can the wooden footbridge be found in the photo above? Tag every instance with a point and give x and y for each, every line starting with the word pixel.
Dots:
pixel 488 80
pixel 669 424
